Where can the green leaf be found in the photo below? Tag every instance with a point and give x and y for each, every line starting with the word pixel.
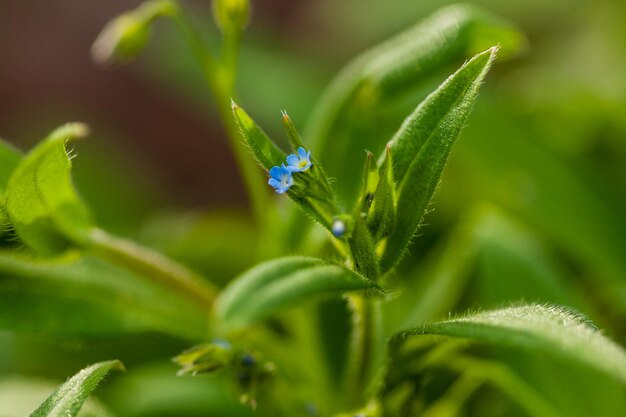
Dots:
pixel 76 295
pixel 41 201
pixel 263 148
pixel 19 395
pixel 9 159
pixel 552 331
pixel 350 116
pixel 519 351
pixel 278 284
pixel 67 400
pixel 422 145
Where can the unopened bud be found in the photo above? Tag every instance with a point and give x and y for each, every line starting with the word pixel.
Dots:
pixel 338 228
pixel 231 15
pixel 124 37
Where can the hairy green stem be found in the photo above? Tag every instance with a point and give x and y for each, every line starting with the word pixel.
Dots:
pixel 151 264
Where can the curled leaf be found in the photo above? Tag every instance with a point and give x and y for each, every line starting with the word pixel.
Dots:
pixel 41 201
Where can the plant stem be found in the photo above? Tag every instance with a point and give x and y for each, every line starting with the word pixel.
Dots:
pixel 151 264
pixel 220 78
pixel 364 350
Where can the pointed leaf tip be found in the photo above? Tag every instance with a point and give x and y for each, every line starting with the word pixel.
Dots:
pixel 422 145
pixel 68 399
pixel 265 151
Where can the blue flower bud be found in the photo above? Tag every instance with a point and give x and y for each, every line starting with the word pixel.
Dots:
pixel 338 228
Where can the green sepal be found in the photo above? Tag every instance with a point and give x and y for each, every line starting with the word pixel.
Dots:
pixel 422 145
pixel 369 182
pixel 292 133
pixel 363 249
pixel 382 215
pixel 204 359
pixel 41 202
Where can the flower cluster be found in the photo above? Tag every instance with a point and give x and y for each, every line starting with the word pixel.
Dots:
pixel 281 177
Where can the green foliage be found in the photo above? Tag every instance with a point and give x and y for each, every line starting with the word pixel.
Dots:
pixel 275 285
pixel 548 333
pixel 551 330
pixel 306 334
pixel 263 148
pixel 19 395
pixel 351 112
pixel 67 400
pixel 422 145
pixel 9 159
pixel 76 295
pixel 41 202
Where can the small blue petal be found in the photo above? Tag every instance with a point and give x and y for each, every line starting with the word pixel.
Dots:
pixel 276 172
pixel 302 153
pixel 274 183
pixel 293 160
pixel 285 171
pixel 281 179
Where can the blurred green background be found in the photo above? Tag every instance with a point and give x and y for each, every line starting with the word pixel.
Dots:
pixel 532 206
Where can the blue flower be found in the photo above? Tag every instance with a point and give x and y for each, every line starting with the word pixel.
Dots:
pixel 300 162
pixel 281 178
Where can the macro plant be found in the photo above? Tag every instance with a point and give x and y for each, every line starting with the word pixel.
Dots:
pixel 339 315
